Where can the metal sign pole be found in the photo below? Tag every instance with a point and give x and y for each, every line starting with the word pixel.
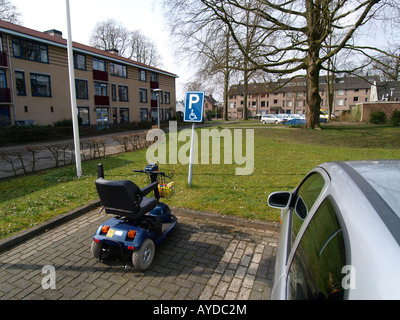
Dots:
pixel 191 157
pixel 194 110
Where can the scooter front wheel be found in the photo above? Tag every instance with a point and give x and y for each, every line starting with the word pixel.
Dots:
pixel 143 258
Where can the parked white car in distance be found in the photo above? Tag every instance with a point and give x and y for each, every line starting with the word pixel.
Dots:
pixel 274 118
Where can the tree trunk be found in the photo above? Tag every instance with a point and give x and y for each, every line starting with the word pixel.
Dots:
pixel 313 65
pixel 245 89
pixel 313 97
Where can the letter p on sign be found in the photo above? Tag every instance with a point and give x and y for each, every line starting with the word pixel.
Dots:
pixel 194 106
pixel 193 99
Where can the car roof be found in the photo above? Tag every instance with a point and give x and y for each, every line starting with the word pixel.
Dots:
pixel 372 223
pixel 384 177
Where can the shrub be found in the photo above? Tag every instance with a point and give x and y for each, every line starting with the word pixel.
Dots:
pixel 395 119
pixel 378 117
pixel 63 123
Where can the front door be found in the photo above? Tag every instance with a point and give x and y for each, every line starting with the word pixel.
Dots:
pixel 102 118
pixel 5 117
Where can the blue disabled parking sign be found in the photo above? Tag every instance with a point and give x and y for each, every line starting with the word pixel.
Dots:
pixel 194 106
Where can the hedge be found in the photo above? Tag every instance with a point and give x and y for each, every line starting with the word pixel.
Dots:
pixel 32 134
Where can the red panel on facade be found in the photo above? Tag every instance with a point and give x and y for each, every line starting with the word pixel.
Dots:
pixel 100 75
pixel 154 104
pixel 154 85
pixel 5 95
pixel 101 100
pixel 3 59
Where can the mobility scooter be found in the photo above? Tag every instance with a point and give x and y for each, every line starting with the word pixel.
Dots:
pixel 140 223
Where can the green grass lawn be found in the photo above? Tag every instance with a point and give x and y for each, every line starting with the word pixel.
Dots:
pixel 283 155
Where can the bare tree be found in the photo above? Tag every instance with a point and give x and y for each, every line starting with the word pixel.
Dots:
pixel 143 49
pixel 201 38
pixel 9 12
pixel 110 35
pixel 302 27
pixel 386 65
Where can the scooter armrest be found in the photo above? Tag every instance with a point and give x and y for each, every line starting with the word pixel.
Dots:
pixel 146 190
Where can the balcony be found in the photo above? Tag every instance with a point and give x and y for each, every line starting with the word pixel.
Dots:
pixel 102 100
pixel 154 104
pixel 3 59
pixel 154 85
pixel 5 95
pixel 100 75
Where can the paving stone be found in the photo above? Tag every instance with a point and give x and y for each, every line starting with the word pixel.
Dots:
pixel 200 259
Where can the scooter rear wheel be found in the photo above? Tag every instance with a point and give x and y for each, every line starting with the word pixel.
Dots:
pixel 143 258
pixel 98 251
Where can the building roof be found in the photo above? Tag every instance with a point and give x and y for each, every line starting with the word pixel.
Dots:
pixel 20 31
pixel 388 90
pixel 211 100
pixel 299 85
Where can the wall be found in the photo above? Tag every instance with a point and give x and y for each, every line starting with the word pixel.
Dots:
pixel 365 109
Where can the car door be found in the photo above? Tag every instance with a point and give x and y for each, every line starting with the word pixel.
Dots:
pixel 306 198
pixel 315 268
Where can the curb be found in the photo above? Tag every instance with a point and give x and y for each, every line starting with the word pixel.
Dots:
pixel 238 222
pixel 25 235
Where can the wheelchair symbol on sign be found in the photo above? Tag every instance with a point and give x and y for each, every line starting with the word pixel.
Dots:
pixel 192 116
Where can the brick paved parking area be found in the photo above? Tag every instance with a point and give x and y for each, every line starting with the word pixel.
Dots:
pixel 200 260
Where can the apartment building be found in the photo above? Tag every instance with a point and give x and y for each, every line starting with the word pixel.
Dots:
pixel 282 97
pixel 34 82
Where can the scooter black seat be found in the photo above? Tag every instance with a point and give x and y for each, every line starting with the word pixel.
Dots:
pixel 125 198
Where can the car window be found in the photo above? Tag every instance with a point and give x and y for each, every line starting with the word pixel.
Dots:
pixel 316 269
pixel 306 196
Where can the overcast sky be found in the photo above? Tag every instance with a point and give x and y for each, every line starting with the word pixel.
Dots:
pixel 143 15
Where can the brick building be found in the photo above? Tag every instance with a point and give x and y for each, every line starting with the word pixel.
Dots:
pixel 277 97
pixel 34 82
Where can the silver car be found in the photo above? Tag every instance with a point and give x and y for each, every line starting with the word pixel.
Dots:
pixel 340 233
pixel 273 118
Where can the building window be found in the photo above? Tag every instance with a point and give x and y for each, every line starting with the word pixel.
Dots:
pixel 123 93
pixel 3 79
pixel 154 77
pixel 339 102
pixel 114 115
pixel 167 96
pixel 40 85
pixel 100 89
pixel 142 75
pixel 81 89
pixel 114 92
pixel 118 70
pixel 99 65
pixel 355 99
pixel 143 114
pixel 124 115
pixel 143 95
pixel 79 61
pixel 20 83
pixel 29 50
pixel 83 115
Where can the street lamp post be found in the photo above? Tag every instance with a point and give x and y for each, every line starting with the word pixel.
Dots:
pixel 157 91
